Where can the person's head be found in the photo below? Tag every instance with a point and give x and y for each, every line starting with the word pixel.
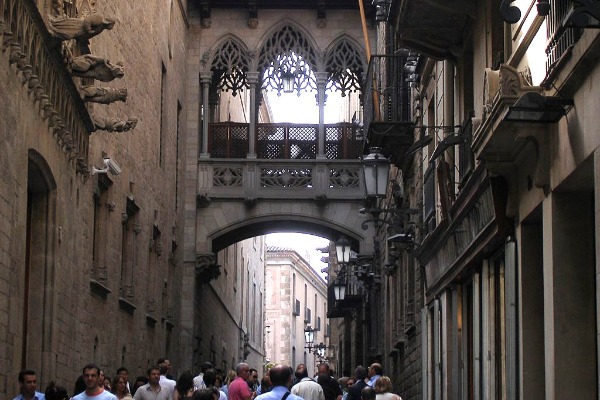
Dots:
pixel 383 384
pixel 122 371
pixel 206 394
pixel 349 382
pixel 206 365
pixel 91 376
pixel 101 378
pixel 243 371
pixel 185 382
pixel 107 383
pixel 253 376
pixel 210 378
pixel 164 365
pixel 119 385
pixel 54 392
pixel 360 373
pixel 139 381
pixel 27 382
pixel 375 369
pixel 153 375
pixel 301 372
pixel 231 374
pixel 281 375
pixel 368 393
pixel 343 382
pixel 324 369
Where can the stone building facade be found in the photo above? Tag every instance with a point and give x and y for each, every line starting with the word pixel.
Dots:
pixel 500 256
pixel 90 262
pixel 296 298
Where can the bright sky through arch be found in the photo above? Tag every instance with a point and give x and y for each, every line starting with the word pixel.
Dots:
pixel 304 244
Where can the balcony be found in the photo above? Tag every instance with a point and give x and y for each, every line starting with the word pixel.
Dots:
pixel 386 107
pixel 283 141
pixel 435 27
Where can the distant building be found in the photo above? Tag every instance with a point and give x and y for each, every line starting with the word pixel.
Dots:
pixel 296 298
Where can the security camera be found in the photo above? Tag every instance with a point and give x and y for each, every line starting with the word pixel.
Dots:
pixel 109 166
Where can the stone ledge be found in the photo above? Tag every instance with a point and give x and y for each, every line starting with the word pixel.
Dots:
pixel 126 305
pixel 99 289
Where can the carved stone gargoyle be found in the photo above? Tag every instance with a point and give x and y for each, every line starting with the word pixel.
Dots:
pixel 207 268
pixel 65 28
pixel 103 95
pixel 114 124
pixel 91 66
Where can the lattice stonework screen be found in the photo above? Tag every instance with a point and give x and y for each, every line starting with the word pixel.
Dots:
pixel 228 177
pixel 288 177
pixel 344 177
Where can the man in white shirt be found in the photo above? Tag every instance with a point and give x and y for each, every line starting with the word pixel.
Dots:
pixel 199 380
pixel 306 388
pixel 91 376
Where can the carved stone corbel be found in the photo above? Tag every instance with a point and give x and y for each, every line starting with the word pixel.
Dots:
pixel 95 67
pixel 64 28
pixel 103 95
pixel 539 139
pixel 114 124
pixel 207 268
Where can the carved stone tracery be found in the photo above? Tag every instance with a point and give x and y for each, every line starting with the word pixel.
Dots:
pixel 345 66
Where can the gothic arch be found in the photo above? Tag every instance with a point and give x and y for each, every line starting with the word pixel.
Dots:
pixel 250 227
pixel 288 49
pixel 229 60
pixel 345 64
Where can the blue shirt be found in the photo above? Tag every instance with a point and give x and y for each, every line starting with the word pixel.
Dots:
pixel 276 394
pixel 38 396
pixel 373 379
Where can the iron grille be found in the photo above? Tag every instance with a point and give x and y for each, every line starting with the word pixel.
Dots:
pixel 561 35
pixel 466 159
pixel 429 194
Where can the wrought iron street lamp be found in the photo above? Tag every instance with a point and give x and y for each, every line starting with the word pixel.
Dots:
pixel 288 79
pixel 339 289
pixel 309 337
pixel 376 170
pixel 342 250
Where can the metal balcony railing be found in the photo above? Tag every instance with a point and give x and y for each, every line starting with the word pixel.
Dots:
pixel 560 32
pixel 386 93
pixel 30 47
pixel 283 141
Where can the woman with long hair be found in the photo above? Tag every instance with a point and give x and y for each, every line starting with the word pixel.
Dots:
pixel 184 389
pixel 119 388
pixel 383 388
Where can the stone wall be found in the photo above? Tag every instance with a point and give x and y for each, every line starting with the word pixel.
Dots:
pixel 76 324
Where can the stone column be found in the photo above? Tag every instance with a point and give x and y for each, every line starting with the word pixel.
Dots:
pixel 321 82
pixel 205 80
pixel 252 81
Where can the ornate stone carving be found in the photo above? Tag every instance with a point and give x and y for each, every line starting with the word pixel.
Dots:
pixel 103 95
pixel 207 268
pixel 114 124
pixel 228 177
pixel 65 28
pixel 91 66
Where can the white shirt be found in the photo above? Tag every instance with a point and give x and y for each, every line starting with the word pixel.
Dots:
pixel 308 389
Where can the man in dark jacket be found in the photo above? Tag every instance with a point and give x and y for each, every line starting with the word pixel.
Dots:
pixel 360 374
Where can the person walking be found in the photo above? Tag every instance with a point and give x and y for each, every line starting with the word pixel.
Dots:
pixel 28 384
pixel 281 379
pixel 306 387
pixel 93 391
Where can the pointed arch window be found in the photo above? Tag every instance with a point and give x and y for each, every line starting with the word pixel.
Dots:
pixel 288 54
pixel 230 65
pixel 345 66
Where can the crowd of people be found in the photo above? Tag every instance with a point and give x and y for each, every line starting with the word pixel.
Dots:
pixel 280 382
